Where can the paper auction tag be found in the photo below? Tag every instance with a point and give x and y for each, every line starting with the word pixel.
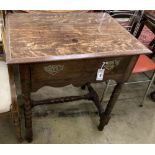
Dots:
pixel 100 74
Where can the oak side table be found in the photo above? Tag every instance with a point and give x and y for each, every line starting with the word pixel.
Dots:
pixel 58 49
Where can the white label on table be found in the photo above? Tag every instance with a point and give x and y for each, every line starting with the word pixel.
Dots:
pixel 100 74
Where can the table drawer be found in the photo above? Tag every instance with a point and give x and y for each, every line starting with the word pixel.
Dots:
pixel 77 72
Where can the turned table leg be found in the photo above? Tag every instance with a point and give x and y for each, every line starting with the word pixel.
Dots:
pixel 26 90
pixel 28 119
pixel 105 116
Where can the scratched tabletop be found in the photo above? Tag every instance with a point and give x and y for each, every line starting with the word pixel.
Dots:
pixel 40 37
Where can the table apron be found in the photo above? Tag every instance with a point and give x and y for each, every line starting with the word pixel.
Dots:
pixel 76 72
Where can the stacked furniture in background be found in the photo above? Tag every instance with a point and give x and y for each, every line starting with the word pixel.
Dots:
pixel 136 23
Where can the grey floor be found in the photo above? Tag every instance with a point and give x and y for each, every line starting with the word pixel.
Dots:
pixel 76 122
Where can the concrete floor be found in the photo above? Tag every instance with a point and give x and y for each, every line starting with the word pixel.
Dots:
pixel 76 122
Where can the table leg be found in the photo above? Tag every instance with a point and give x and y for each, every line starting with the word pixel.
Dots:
pixel 17 123
pixel 25 85
pixel 95 98
pixel 28 119
pixel 105 116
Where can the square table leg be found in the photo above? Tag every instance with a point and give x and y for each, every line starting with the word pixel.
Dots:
pixel 105 116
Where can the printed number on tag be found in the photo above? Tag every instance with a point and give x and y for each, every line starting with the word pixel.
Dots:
pixel 100 74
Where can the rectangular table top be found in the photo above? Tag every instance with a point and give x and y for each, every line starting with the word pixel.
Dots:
pixel 41 37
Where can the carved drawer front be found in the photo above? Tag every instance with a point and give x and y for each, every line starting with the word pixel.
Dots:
pixel 74 71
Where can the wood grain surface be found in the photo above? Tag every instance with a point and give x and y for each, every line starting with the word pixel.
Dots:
pixel 47 11
pixel 65 36
pixel 151 12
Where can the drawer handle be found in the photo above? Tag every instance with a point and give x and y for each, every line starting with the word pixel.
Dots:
pixel 110 65
pixel 53 69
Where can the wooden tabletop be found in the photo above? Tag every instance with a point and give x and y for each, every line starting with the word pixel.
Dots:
pixel 151 12
pixel 63 36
